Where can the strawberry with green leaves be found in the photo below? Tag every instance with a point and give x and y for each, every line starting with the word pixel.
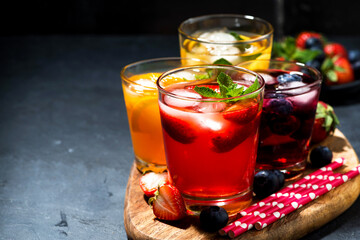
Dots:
pixel 168 204
pixel 325 122
pixel 337 70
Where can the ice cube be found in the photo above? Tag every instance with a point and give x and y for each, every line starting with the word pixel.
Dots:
pixel 182 102
pixel 217 36
pixel 270 80
pixel 298 87
pixel 305 98
pixel 212 124
pixel 184 75
pixel 228 52
pixel 210 107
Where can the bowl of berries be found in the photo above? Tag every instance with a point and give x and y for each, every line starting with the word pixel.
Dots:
pixel 339 66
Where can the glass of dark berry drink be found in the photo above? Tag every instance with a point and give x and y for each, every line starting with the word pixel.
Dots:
pixel 291 95
pixel 210 117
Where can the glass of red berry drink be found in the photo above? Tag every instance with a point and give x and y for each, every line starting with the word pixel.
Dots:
pixel 210 121
pixel 291 96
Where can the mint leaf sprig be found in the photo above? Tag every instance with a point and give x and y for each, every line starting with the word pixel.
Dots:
pixel 228 88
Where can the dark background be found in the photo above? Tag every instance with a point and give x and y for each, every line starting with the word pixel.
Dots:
pixel 65 149
pixel 331 17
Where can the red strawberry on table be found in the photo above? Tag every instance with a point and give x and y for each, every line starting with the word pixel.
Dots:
pixel 150 182
pixel 325 122
pixel 168 203
pixel 178 129
pixel 338 70
pixel 335 49
pixel 303 36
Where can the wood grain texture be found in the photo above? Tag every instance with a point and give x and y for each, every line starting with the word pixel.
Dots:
pixel 140 222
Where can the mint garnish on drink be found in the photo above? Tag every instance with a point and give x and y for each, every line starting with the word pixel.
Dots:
pixel 227 88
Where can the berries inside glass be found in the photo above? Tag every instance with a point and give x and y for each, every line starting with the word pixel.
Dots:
pixel 291 96
pixel 210 144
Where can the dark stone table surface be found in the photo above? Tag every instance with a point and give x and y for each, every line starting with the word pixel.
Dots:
pixel 65 149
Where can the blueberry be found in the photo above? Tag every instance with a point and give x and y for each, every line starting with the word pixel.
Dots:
pixel 313 42
pixel 266 182
pixel 273 95
pixel 283 78
pixel 284 125
pixel 213 218
pixel 354 55
pixel 320 57
pixel 314 63
pixel 279 106
pixel 280 176
pixel 320 156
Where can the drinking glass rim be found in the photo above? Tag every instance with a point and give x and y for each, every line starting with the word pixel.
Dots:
pixel 151 60
pixel 249 17
pixel 212 66
pixel 309 85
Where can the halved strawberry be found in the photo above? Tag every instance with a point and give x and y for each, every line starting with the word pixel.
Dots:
pixel 335 49
pixel 178 129
pixel 150 182
pixel 325 122
pixel 168 203
pixel 212 86
pixel 242 113
pixel 303 36
pixel 230 138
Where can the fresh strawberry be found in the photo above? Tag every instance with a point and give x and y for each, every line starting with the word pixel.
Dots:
pixel 150 182
pixel 335 49
pixel 325 122
pixel 242 113
pixel 337 70
pixel 228 139
pixel 347 74
pixel 303 36
pixel 178 129
pixel 168 203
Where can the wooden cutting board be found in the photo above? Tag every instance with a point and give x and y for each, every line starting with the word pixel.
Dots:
pixel 140 222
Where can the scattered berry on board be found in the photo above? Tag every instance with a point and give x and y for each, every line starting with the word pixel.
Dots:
pixel 267 182
pixel 150 182
pixel 213 218
pixel 320 156
pixel 168 203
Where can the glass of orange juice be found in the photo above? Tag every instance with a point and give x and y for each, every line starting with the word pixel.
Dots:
pixel 226 38
pixel 141 100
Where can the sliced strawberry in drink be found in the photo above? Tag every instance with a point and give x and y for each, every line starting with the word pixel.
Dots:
pixel 212 86
pixel 151 181
pixel 242 113
pixel 227 140
pixel 177 129
pixel 168 203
